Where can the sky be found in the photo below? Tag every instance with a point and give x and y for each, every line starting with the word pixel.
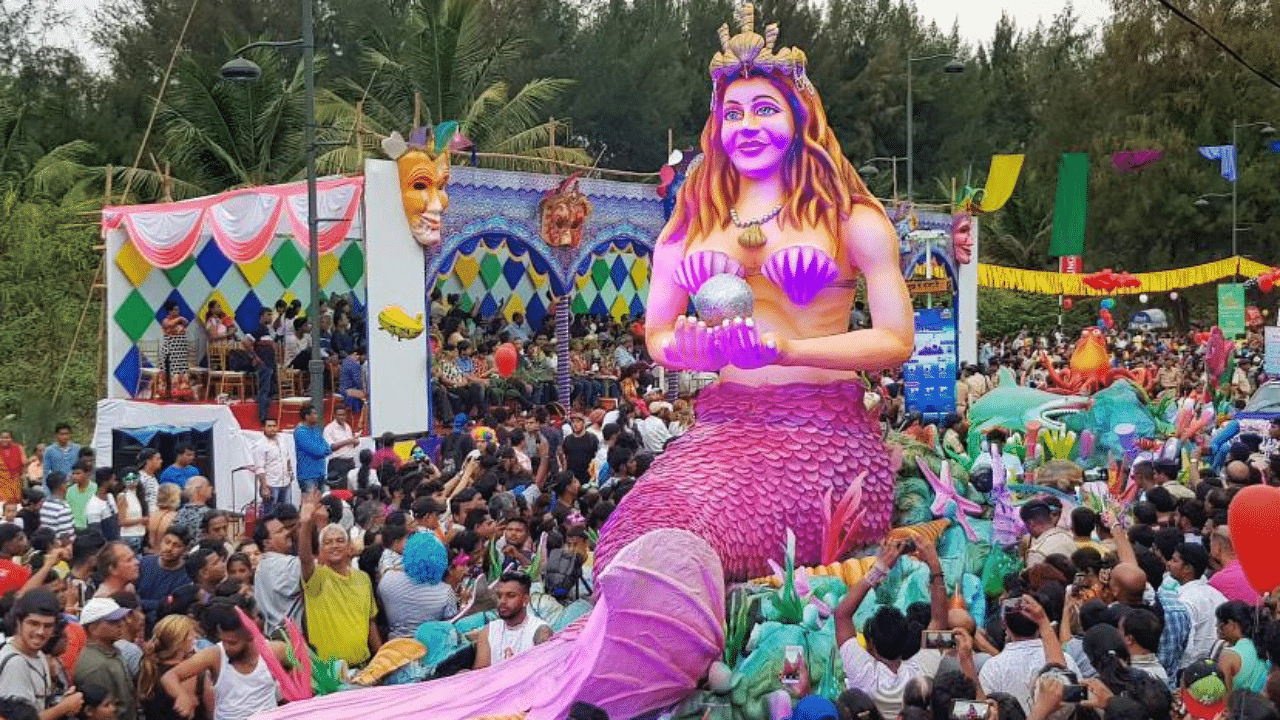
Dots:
pixel 978 18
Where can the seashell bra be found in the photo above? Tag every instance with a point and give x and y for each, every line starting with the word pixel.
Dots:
pixel 800 271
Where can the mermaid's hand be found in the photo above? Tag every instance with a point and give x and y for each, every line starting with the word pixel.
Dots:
pixel 745 346
pixel 694 346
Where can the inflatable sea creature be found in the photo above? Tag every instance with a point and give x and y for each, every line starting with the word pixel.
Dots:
pixel 1012 406
pixel 1090 367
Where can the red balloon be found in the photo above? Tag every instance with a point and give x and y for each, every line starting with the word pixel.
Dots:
pixel 506 358
pixel 1265 282
pixel 1105 314
pixel 1067 303
pixel 1255 534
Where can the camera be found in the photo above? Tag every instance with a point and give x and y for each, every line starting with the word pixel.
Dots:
pixel 937 640
pixel 1074 693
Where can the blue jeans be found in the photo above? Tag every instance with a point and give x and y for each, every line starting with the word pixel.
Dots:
pixel 278 496
pixel 266 388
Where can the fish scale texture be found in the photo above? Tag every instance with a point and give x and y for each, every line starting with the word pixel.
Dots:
pixel 758 461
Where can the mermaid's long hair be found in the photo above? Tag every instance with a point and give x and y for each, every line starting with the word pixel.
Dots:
pixel 821 184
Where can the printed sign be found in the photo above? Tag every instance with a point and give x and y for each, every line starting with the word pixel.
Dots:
pixel 930 374
pixel 1231 309
pixel 1271 355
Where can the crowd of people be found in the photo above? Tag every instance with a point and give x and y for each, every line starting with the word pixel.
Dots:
pixel 279 343
pixel 124 588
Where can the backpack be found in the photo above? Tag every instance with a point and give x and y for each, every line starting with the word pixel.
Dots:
pixel 561 575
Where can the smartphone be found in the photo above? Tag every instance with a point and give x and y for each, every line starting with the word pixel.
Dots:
pixel 1074 693
pixel 968 710
pixel 792 658
pixel 937 640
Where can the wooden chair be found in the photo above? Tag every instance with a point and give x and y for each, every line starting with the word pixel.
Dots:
pixel 291 400
pixel 148 352
pixel 221 377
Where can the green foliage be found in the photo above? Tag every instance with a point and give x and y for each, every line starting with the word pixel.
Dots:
pixel 47 262
pixel 1008 312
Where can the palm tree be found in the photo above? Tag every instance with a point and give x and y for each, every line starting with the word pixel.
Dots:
pixel 447 66
pixel 220 134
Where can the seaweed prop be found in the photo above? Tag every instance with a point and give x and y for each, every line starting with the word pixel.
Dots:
pixel 737 624
pixel 788 603
pixel 838 536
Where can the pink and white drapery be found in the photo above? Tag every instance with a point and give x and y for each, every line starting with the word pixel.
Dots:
pixel 242 222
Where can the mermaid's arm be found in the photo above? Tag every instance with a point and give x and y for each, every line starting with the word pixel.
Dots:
pixel 672 341
pixel 871 245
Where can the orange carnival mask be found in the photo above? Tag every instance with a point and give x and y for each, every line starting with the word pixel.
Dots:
pixel 423 163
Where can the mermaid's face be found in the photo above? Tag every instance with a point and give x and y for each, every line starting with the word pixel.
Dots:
pixel 756 126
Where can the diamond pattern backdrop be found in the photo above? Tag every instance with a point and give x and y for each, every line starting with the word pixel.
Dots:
pixel 242 290
pixel 501 275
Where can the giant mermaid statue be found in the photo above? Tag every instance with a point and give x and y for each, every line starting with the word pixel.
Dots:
pixel 770 232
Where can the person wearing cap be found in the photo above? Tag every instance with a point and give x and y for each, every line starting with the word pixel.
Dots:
pixel 1204 690
pixel 24 667
pixel 100 662
pixel 653 429
pixel 1187 567
pixel 1047 538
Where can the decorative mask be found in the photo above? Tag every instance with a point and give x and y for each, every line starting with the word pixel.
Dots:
pixel 962 238
pixel 563 212
pixel 424 172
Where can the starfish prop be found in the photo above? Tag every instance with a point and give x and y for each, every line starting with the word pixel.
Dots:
pixel 947 502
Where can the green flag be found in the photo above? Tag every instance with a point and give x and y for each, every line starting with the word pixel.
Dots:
pixel 1072 205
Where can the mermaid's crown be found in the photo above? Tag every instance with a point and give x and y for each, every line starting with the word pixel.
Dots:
pixel 748 51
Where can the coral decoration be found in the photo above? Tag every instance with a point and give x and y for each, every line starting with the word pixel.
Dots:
pixel 849 571
pixel 838 523
pixel 294 684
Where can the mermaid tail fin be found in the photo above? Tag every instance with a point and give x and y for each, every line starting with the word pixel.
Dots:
pixel 657 626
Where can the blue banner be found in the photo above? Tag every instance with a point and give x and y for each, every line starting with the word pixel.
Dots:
pixel 930 374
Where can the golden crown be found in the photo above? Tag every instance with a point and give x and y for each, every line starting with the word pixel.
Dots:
pixel 748 51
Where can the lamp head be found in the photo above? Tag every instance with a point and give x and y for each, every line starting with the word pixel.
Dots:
pixel 240 70
pixel 954 67
pixel 1268 130
pixel 869 170
pixel 1201 202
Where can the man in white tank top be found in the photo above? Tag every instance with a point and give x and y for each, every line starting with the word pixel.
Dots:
pixel 516 629
pixel 242 683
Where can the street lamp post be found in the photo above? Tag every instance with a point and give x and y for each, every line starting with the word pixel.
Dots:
pixel 953 67
pixel 1267 129
pixel 239 69
pixel 869 169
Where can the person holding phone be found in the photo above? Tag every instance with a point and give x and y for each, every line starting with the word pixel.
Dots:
pixel 881 670
pixel 1031 642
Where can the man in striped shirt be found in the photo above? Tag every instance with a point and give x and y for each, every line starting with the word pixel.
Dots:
pixel 56 514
